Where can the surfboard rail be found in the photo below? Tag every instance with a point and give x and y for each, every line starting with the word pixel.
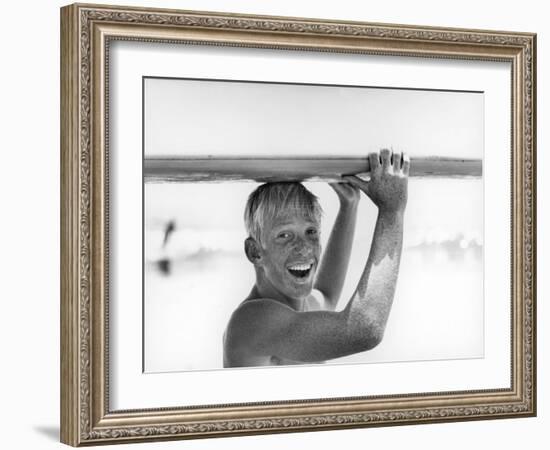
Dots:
pixel 293 168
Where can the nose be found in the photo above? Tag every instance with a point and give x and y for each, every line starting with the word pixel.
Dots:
pixel 303 247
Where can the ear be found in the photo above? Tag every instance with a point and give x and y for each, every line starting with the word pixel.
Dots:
pixel 252 250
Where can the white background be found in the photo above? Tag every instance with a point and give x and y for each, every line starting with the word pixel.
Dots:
pixel 130 389
pixel 29 323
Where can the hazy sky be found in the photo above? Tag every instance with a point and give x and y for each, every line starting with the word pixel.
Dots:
pixel 189 117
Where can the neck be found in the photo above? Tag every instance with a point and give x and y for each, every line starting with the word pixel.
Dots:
pixel 265 289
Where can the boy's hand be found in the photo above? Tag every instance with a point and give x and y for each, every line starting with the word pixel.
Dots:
pixel 387 186
pixel 347 194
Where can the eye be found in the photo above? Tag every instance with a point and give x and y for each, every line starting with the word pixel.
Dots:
pixel 283 235
pixel 312 232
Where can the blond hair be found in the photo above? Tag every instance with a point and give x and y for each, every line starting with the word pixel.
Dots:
pixel 270 200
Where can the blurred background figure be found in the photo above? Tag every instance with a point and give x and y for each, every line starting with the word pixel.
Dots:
pixel 165 264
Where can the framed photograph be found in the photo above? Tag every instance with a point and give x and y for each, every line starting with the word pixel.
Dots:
pixel 275 224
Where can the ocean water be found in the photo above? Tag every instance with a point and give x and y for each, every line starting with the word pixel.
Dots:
pixel 195 281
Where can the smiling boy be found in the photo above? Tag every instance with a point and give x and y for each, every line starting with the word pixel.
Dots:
pixel 289 317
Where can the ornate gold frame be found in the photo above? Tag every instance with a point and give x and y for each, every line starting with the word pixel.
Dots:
pixel 86 31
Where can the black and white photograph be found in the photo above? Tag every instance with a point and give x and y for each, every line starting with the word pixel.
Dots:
pixel 299 224
pixel 281 224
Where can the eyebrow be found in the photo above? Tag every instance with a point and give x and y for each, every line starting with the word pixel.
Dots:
pixel 289 222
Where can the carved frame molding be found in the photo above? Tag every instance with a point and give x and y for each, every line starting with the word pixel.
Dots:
pixel 86 31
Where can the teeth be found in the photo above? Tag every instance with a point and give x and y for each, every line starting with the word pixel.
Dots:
pixel 301 267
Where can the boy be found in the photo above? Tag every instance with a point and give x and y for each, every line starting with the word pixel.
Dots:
pixel 289 316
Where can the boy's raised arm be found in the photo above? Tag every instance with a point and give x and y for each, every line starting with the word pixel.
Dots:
pixel 368 311
pixel 267 327
pixel 334 265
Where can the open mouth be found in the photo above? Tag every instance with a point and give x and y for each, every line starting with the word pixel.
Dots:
pixel 300 270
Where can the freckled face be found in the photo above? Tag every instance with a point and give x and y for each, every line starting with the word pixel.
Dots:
pixel 290 254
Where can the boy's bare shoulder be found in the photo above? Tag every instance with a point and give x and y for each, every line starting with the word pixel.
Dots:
pixel 258 311
pixel 255 308
pixel 257 320
pixel 254 317
pixel 250 320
